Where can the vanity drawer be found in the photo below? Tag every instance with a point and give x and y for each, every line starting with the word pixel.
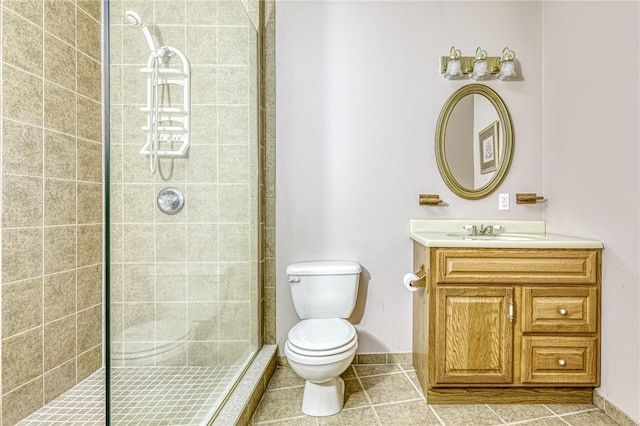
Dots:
pixel 512 266
pixel 572 309
pixel 559 360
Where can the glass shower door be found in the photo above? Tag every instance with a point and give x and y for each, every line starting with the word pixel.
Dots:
pixel 183 288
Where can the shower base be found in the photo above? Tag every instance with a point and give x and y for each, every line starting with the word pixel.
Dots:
pixel 142 395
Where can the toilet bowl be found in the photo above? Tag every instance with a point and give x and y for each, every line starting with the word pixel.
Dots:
pixel 319 350
pixel 322 345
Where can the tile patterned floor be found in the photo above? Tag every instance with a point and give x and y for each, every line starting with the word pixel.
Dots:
pixel 389 394
pixel 142 396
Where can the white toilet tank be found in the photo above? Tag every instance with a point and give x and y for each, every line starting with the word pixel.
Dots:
pixel 324 289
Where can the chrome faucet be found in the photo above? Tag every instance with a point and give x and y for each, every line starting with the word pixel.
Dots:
pixel 487 231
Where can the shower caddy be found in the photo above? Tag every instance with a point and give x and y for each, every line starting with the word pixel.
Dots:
pixel 168 125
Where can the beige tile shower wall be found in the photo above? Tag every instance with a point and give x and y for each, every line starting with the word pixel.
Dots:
pixel 182 285
pixel 51 136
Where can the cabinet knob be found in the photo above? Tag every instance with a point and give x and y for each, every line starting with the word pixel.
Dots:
pixel 563 311
pixel 562 362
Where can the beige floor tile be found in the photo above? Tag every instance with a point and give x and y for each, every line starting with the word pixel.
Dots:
pixel 285 377
pixel 518 412
pixel 355 417
pixel 354 395
pixel 348 373
pixel 279 404
pixel 414 378
pixel 547 421
pixel 389 388
pixel 408 367
pixel 454 415
pixel 296 421
pixel 590 418
pixel 569 408
pixel 364 370
pixel 406 414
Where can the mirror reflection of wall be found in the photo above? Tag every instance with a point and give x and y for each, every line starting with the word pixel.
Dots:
pixel 471 115
pixel 459 147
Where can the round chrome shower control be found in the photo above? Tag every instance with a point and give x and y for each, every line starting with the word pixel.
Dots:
pixel 170 201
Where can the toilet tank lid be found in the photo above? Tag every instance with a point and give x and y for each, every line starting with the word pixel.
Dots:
pixel 324 267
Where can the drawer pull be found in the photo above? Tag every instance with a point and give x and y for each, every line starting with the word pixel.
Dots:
pixel 562 362
pixel 563 311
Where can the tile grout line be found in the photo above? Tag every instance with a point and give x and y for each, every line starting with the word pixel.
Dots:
pixel 436 414
pixel 366 394
pixel 525 421
pixel 494 412
pixel 424 398
pixel 384 404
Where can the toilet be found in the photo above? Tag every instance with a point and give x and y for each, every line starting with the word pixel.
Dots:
pixel 321 346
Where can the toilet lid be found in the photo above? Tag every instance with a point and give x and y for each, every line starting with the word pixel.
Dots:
pixel 322 334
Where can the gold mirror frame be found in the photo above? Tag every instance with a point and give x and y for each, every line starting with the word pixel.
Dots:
pixel 507 131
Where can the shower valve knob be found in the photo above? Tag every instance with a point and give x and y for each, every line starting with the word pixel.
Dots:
pixel 170 201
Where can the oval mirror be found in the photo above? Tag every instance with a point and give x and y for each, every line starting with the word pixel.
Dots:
pixel 474 141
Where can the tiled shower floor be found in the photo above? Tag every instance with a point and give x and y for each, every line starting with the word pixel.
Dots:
pixel 141 395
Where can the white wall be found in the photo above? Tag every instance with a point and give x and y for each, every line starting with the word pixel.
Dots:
pixel 358 96
pixel 591 162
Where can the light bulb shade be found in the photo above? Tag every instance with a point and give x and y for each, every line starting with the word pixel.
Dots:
pixel 507 71
pixel 454 70
pixel 480 70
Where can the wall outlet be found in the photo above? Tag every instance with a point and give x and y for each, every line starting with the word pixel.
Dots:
pixel 503 201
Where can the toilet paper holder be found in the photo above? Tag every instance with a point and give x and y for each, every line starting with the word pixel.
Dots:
pixel 422 278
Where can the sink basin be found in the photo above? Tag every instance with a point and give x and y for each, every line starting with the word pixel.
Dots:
pixel 498 237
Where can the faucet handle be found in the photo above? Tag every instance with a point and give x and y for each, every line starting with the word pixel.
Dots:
pixel 493 228
pixel 472 228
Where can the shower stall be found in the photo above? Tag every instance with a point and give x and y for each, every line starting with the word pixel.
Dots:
pixel 133 209
pixel 183 232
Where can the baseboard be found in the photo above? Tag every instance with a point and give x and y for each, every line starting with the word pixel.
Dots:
pixel 378 358
pixel 612 411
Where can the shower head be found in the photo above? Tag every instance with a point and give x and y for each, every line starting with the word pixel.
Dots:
pixel 136 20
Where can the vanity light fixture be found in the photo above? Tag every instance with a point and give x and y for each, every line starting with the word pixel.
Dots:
pixel 453 71
pixel 480 70
pixel 507 66
pixel 478 67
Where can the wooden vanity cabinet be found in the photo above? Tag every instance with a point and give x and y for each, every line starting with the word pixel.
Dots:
pixel 507 325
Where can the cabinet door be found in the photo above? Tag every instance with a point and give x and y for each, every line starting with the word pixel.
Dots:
pixel 473 335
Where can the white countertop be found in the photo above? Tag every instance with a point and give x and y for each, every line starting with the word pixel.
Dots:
pixel 514 234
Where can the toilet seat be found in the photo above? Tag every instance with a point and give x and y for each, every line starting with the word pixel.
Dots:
pixel 330 335
pixel 322 360
pixel 302 351
pixel 321 341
